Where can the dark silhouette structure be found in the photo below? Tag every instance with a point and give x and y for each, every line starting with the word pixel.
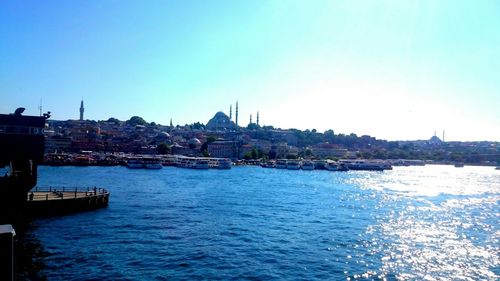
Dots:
pixel 21 151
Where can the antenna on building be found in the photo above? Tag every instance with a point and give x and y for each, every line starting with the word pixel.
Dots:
pixel 40 107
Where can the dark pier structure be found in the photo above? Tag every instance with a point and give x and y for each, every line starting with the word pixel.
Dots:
pixel 21 151
pixel 22 145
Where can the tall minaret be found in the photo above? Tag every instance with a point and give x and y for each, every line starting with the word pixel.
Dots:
pixel 81 110
pixel 257 118
pixel 171 126
pixel 250 119
pixel 236 114
pixel 230 112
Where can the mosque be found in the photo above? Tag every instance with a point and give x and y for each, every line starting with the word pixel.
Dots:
pixel 222 122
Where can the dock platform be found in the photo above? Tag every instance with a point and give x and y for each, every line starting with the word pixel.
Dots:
pixel 50 201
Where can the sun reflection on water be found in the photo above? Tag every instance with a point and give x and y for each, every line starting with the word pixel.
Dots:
pixel 446 230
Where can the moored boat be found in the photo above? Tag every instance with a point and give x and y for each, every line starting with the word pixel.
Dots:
pixel 293 164
pixel 201 164
pixel 224 163
pixel 281 164
pixel 307 165
pixel 362 165
pixel 336 167
pixel 268 164
pixel 152 163
pixel 135 163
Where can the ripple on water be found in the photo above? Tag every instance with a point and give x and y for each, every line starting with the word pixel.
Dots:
pixel 250 223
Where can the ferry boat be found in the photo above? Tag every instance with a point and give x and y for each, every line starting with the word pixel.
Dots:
pixel 319 164
pixel 185 162
pixel 201 163
pixel 281 164
pixel 135 163
pixel 459 165
pixel 168 161
pixel 268 164
pixel 152 163
pixel 307 165
pixel 362 165
pixel 336 167
pixel 224 163
pixel 293 165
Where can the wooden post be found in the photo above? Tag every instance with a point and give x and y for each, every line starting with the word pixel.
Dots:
pixel 7 234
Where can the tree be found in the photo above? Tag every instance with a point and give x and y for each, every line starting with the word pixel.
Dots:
pixel 136 120
pixel 113 120
pixel 210 139
pixel 163 148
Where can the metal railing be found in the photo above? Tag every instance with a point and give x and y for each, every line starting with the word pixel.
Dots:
pixel 61 193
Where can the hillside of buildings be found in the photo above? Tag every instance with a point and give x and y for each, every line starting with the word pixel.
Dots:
pixel 220 138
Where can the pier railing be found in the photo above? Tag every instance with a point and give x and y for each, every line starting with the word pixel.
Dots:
pixel 61 193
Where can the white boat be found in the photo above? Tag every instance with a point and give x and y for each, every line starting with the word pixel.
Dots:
pixel 201 163
pixel 268 164
pixel 185 162
pixel 362 165
pixel 293 164
pixel 152 163
pixel 320 164
pixel 307 165
pixel 281 164
pixel 224 163
pixel 135 163
pixel 336 167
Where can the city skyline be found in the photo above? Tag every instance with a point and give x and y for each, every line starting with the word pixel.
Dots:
pixel 392 70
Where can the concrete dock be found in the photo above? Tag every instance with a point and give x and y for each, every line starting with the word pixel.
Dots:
pixel 49 201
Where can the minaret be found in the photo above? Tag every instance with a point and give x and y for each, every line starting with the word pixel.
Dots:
pixel 250 119
pixel 443 135
pixel 257 118
pixel 81 110
pixel 236 114
pixel 171 126
pixel 230 112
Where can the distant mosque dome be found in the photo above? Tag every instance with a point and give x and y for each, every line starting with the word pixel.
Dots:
pixel 220 122
pixel 194 141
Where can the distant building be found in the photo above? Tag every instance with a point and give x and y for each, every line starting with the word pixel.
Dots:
pixel 326 150
pixel 223 149
pixel 220 122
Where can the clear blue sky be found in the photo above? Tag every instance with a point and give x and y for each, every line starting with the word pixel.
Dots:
pixel 391 69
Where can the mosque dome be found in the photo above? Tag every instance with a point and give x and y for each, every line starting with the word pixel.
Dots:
pixel 194 141
pixel 220 121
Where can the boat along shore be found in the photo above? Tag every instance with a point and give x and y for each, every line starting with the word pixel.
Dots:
pixel 135 161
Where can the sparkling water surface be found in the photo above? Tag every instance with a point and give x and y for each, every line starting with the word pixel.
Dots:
pixel 411 223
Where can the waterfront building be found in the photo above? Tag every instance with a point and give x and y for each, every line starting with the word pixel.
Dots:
pixel 57 143
pixel 223 149
pixel 327 150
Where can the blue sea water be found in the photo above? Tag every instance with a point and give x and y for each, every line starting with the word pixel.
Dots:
pixel 411 223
